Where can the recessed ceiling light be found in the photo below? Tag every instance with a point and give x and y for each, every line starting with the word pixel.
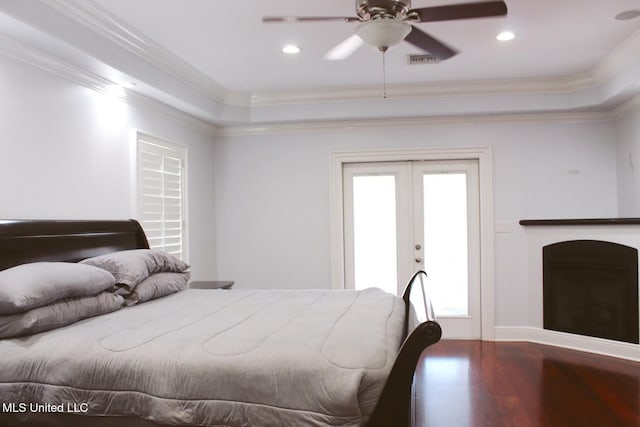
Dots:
pixel 506 36
pixel 629 14
pixel 291 49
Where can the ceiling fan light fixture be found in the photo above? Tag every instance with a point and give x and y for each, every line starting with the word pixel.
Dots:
pixel 383 33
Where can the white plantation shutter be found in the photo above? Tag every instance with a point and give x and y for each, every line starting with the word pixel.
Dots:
pixel 161 169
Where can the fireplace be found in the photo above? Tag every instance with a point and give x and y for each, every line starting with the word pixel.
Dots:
pixel 590 288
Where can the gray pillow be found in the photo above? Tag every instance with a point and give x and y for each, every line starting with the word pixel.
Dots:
pixel 158 285
pixel 133 266
pixel 58 314
pixel 33 285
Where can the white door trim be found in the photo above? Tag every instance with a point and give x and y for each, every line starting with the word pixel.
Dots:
pixel 484 156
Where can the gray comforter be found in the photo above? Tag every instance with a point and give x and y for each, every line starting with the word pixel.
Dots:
pixel 221 358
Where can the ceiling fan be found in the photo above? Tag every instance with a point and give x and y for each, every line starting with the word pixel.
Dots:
pixel 385 23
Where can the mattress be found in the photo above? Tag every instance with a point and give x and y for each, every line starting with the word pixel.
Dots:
pixel 217 358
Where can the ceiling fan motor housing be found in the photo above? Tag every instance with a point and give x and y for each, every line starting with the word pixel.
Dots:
pixel 382 9
pixel 383 33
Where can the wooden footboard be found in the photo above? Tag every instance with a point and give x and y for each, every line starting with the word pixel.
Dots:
pixel 394 406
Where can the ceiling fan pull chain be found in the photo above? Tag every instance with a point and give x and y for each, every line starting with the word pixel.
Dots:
pixel 384 74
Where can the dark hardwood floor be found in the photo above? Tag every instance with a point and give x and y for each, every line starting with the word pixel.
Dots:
pixel 475 383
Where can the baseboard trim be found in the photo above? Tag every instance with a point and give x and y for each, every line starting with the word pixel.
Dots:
pixel 575 342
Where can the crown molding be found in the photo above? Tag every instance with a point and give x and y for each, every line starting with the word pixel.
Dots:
pixel 582 89
pixel 102 22
pixel 25 53
pixel 620 57
pixel 97 19
pixel 605 70
pixel 631 106
pixel 318 126
pixel 137 100
pixel 423 90
pixel 37 58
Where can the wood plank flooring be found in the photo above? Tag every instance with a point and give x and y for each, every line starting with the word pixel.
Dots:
pixel 475 383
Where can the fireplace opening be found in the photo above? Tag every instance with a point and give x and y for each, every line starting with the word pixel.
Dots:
pixel 590 288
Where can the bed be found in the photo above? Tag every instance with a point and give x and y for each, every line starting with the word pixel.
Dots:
pixel 208 357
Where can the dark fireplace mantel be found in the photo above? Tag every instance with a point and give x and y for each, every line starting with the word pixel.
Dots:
pixel 586 221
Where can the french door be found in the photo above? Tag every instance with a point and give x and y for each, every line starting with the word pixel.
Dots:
pixel 400 217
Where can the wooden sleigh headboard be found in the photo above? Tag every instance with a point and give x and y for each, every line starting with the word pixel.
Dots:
pixel 23 241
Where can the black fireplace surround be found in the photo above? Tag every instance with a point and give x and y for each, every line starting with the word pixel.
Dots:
pixel 590 288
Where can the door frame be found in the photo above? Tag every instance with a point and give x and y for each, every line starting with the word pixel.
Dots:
pixel 483 154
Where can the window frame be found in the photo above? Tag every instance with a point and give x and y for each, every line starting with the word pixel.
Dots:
pixel 181 153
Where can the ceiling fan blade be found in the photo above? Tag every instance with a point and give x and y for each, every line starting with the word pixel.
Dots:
pixel 462 11
pixel 293 19
pixel 429 44
pixel 344 49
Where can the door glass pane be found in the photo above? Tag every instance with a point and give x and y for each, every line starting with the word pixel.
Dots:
pixel 445 242
pixel 374 219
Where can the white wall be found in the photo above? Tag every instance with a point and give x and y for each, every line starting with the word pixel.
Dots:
pixel 628 129
pixel 65 154
pixel 272 195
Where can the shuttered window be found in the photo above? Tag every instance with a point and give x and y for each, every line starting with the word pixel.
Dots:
pixel 161 193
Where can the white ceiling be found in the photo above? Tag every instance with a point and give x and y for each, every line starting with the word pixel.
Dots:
pixel 228 42
pixel 218 62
